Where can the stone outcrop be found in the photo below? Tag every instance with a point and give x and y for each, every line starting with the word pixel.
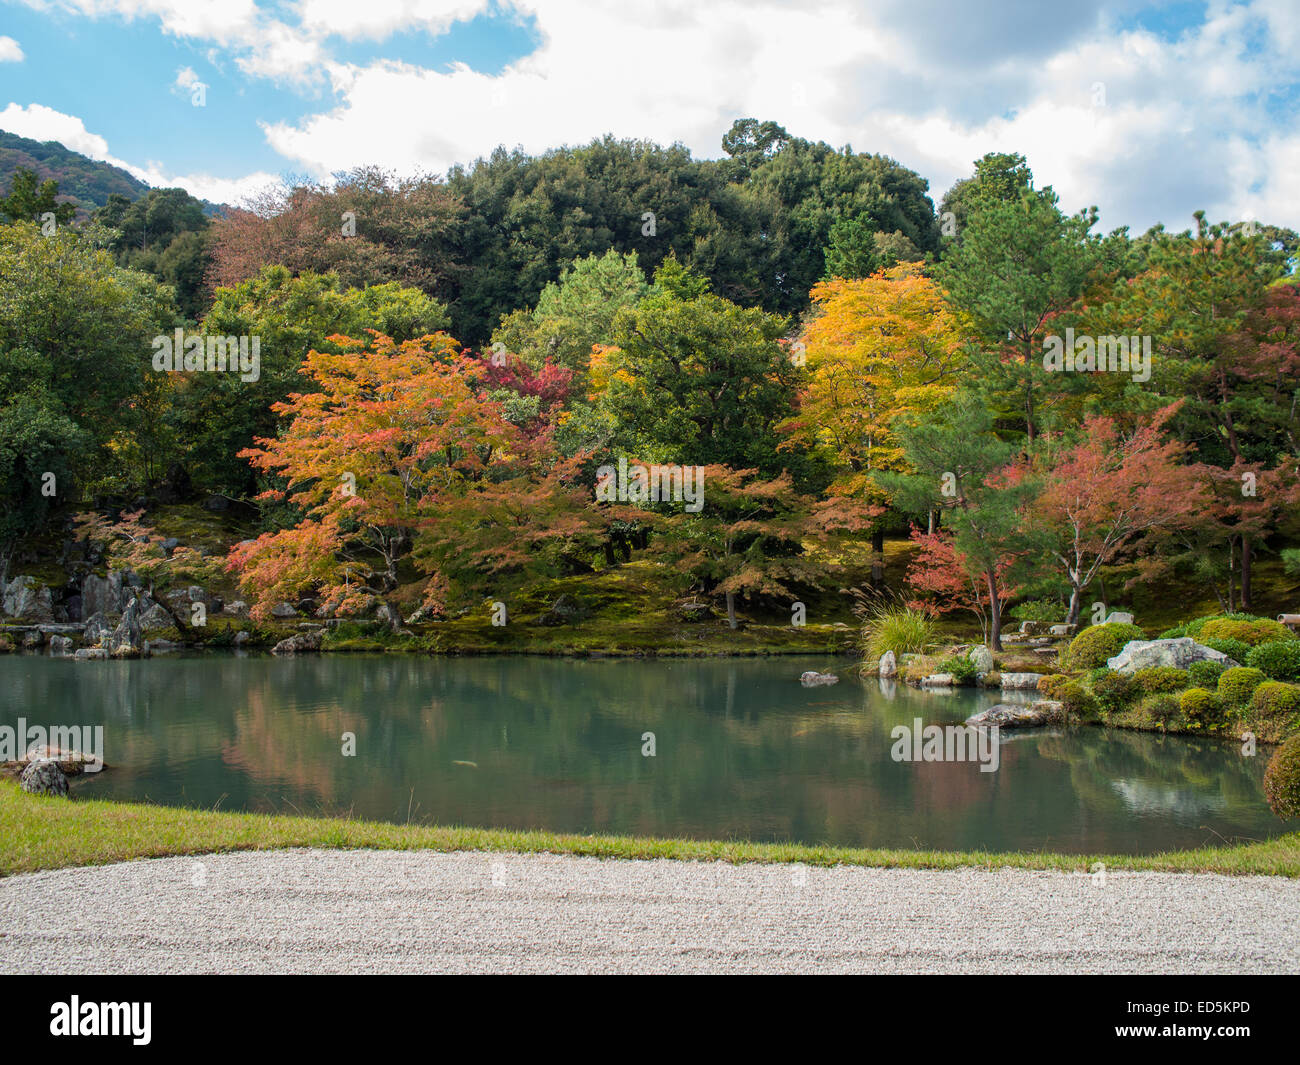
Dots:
pixel 1020 681
pixel 812 679
pixel 1179 653
pixel 300 643
pixel 1010 715
pixel 981 658
pixel 27 599
pixel 888 665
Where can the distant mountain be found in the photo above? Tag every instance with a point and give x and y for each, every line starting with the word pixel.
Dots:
pixel 89 182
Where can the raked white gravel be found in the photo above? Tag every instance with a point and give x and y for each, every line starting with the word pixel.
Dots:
pixel 314 911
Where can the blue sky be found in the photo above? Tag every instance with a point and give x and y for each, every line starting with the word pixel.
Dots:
pixel 1148 110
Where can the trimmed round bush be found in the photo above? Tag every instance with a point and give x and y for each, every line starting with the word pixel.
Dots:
pixel 1206 674
pixel 1113 691
pixel 1274 703
pixel 1162 679
pixel 1201 707
pixel 1161 708
pixel 1076 699
pixel 1097 643
pixel 1237 650
pixel 1052 684
pixel 1278 659
pixel 1193 628
pixel 1282 780
pixel 1253 632
pixel 1236 686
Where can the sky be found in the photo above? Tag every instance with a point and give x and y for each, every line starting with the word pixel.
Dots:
pixel 1148 110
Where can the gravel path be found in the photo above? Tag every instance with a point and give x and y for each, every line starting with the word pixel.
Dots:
pixel 386 911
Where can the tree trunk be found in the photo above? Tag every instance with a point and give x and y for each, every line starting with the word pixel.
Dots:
pixel 731 609
pixel 1245 573
pixel 995 613
pixel 878 559
pixel 1076 601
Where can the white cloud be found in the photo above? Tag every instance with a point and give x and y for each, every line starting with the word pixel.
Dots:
pixel 1185 120
pixel 10 51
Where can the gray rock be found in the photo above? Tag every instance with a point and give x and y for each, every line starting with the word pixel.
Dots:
pixel 1009 715
pixel 97 627
pixel 28 599
pixel 125 640
pixel 33 640
pixel 888 665
pixel 241 638
pixel 302 643
pixel 101 595
pixel 237 609
pixel 216 503
pixel 1063 630
pixel 938 680
pixel 155 617
pixel 388 616
pixel 1118 617
pixel 84 654
pixel 981 658
pixel 1179 653
pixel 60 645
pixel 1020 681
pixel 1033 628
pixel 73 606
pixel 169 545
pixel 693 612
pixel 44 778
pixel 812 679
pixel 283 610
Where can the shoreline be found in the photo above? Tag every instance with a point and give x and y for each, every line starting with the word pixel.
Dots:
pixel 39 833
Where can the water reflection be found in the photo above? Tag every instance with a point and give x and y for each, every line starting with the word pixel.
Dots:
pixel 742 750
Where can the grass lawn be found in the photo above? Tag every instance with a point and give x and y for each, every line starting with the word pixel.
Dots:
pixel 47 833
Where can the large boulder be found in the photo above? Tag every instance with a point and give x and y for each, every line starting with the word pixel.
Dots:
pixel 302 643
pixel 981 658
pixel 125 641
pixel 1118 617
pixel 97 627
pixel 44 778
pixel 101 595
pixel 1020 681
pixel 1179 653
pixel 60 645
pixel 26 598
pixel 813 679
pixel 888 665
pixel 284 610
pixel 938 680
pixel 156 617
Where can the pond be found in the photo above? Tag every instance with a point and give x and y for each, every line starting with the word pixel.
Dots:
pixel 741 751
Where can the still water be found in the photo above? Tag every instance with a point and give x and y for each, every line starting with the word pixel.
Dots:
pixel 741 751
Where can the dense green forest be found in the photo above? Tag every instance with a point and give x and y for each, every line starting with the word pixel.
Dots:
pixel 418 393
